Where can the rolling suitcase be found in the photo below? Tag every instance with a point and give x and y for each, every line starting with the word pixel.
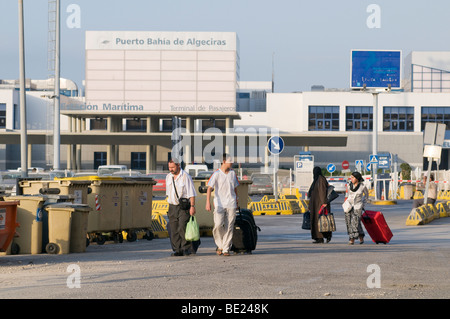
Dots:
pixel 245 234
pixel 376 226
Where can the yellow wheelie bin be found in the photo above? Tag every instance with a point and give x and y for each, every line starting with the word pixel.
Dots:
pixel 67 228
pixel 136 212
pixel 106 202
pixel 242 192
pixel 205 219
pixel 31 216
pixel 79 189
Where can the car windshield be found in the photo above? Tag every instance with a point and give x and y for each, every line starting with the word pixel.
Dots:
pixel 262 180
pixel 108 171
pixel 204 174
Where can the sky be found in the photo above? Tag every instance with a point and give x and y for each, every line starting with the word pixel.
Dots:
pixel 307 42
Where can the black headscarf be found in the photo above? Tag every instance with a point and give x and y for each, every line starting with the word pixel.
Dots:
pixel 317 171
pixel 360 179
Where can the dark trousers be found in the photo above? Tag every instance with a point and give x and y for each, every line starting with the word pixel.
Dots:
pixel 178 219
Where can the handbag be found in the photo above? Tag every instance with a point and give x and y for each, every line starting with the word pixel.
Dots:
pixel 192 230
pixel 347 206
pixel 306 220
pixel 326 221
pixel 331 194
pixel 185 203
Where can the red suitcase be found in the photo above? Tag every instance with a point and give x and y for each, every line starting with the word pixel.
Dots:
pixel 376 226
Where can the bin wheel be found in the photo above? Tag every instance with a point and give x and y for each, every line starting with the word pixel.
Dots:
pixel 100 239
pixel 131 236
pixel 51 248
pixel 15 249
pixel 149 235
pixel 118 238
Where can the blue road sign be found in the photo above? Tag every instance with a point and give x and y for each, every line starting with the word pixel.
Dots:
pixel 359 163
pixel 368 167
pixel 275 145
pixel 373 159
pixel 384 161
pixel 331 168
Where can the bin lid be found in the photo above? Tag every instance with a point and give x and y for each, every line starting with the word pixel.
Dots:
pixel 9 203
pixel 140 180
pixel 73 181
pixel 79 207
pixel 90 178
pixel 26 197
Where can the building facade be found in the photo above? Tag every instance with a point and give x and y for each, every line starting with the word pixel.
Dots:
pixel 139 86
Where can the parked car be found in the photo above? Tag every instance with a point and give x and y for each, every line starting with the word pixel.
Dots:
pixel 204 175
pixel 339 183
pixel 160 178
pixel 194 169
pixel 108 170
pixel 128 173
pixel 261 185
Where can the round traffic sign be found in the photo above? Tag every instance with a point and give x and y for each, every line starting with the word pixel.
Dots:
pixel 331 168
pixel 345 165
pixel 275 145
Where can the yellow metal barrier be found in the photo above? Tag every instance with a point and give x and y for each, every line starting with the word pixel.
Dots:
pixel 293 191
pixel 294 201
pixel 427 213
pixel 160 206
pixel 159 226
pixel 303 203
pixel 446 195
pixel 417 195
pixel 268 198
pixel 281 207
pixel 443 209
pixel 416 217
pixel 433 212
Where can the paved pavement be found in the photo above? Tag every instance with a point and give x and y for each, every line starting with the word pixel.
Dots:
pixel 285 265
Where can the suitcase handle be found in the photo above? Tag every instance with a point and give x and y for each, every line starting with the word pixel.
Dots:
pixel 366 218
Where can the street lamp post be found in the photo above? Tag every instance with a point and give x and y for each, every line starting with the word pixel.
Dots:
pixel 56 101
pixel 23 106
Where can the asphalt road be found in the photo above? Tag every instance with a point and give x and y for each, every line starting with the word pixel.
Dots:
pixel 285 265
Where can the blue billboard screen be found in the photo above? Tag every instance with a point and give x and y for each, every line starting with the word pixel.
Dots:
pixel 376 69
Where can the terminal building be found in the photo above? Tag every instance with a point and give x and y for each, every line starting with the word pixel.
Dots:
pixel 139 86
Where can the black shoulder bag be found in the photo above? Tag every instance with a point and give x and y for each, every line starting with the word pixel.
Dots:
pixel 185 203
